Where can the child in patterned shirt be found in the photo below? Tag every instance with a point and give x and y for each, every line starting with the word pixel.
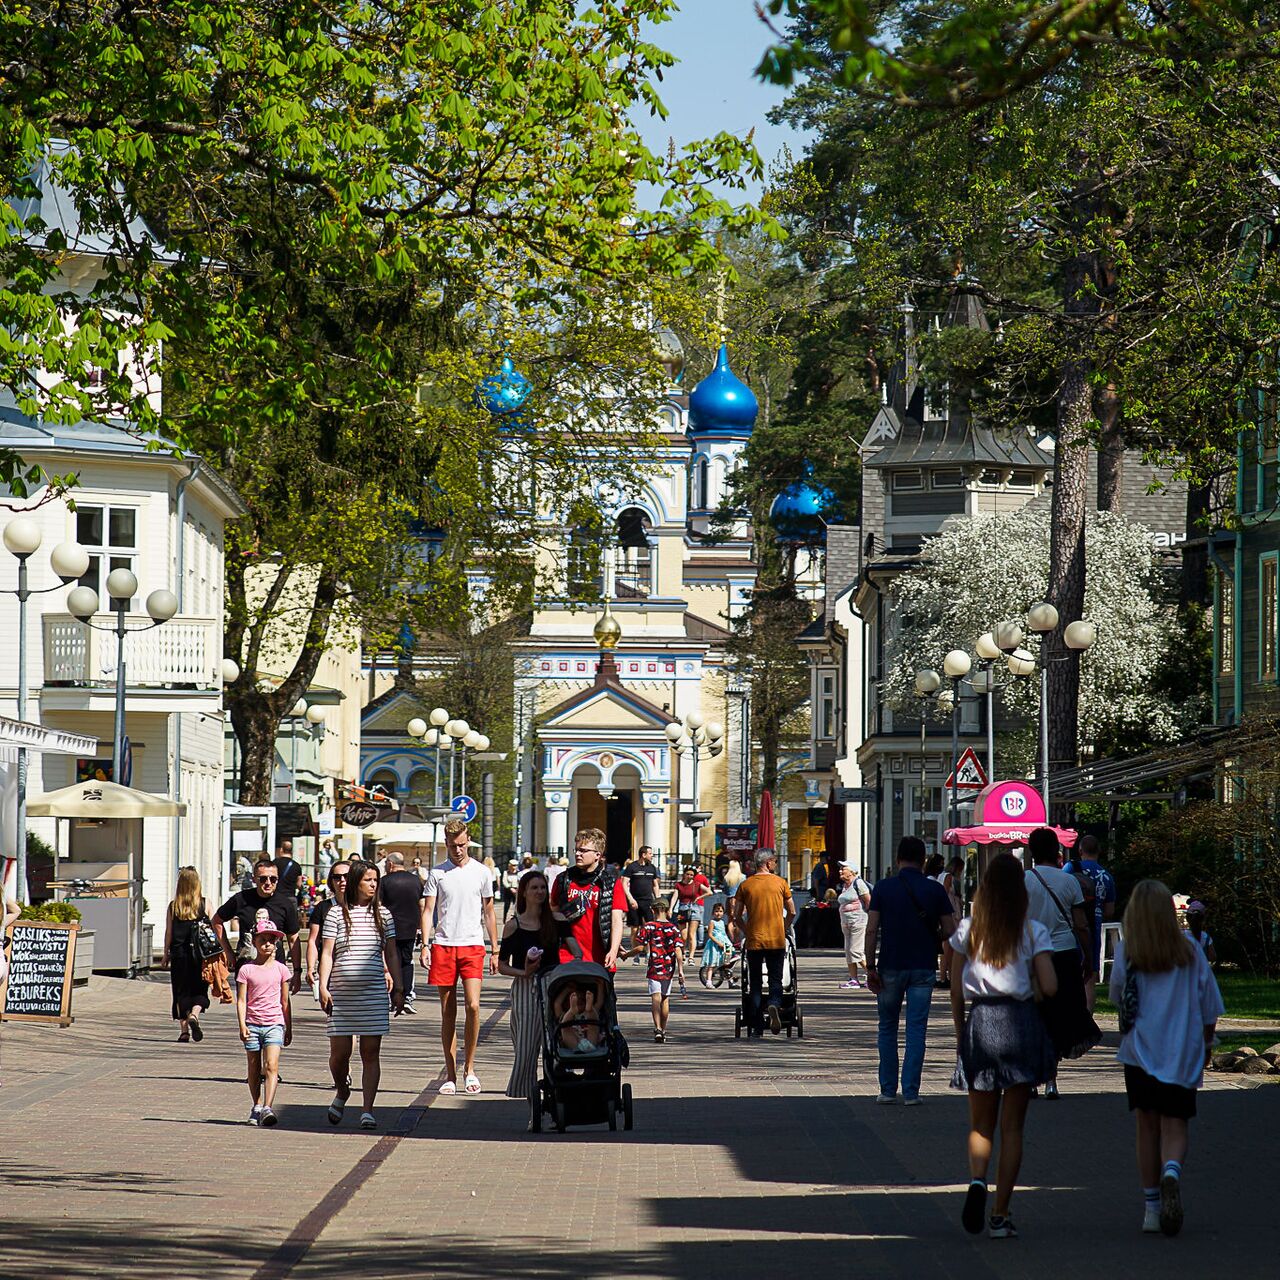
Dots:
pixel 665 946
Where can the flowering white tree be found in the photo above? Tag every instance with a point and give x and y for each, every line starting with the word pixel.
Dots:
pixel 983 571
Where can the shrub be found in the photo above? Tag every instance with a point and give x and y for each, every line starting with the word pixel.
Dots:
pixel 55 912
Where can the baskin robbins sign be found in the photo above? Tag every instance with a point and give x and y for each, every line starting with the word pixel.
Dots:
pixel 1007 813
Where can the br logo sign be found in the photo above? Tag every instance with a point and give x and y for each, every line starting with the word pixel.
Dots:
pixel 1013 804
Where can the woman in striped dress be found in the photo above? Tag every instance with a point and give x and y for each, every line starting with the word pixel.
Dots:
pixel 359 965
pixel 530 942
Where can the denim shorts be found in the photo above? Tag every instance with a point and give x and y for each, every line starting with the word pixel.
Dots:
pixel 262 1037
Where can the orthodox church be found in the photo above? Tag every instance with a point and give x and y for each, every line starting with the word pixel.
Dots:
pixel 628 715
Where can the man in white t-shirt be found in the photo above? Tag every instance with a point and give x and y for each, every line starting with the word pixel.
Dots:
pixel 1056 900
pixel 459 894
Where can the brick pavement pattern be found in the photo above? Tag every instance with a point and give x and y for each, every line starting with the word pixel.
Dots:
pixel 123 1153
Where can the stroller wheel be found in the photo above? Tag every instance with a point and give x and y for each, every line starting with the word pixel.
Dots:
pixel 613 1117
pixel 535 1113
pixel 717 978
pixel 628 1112
pixel 737 1024
pixel 799 1023
pixel 561 1119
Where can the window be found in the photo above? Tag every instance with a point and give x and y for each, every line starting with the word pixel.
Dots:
pixel 990 477
pixel 825 720
pixel 633 556
pixel 1022 480
pixel 1267 584
pixel 701 484
pixel 908 481
pixel 1226 625
pixel 110 536
pixel 583 564
pixel 947 478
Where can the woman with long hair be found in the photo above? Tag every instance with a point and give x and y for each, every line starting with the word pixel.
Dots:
pixel 190 990
pixel 357 958
pixel 530 941
pixel 337 883
pixel 1004 1049
pixel 1169 1005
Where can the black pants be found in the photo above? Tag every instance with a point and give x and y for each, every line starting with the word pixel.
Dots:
pixel 406 947
pixel 769 959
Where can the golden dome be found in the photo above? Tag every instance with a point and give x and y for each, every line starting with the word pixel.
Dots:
pixel 607 631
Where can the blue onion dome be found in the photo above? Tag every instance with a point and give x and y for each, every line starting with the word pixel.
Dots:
pixel 504 392
pixel 800 513
pixel 722 404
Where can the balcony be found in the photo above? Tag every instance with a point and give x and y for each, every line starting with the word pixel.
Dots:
pixel 183 653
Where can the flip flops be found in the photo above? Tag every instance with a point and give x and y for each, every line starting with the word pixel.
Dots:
pixel 448 1088
pixel 473 1082
pixel 339 1103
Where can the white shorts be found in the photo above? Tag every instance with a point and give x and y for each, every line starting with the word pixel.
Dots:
pixel 660 987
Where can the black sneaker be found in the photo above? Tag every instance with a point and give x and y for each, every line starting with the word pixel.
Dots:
pixel 975 1207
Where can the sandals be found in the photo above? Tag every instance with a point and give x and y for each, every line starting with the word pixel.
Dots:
pixel 184 1037
pixel 448 1088
pixel 368 1120
pixel 197 1032
pixel 473 1082
pixel 339 1103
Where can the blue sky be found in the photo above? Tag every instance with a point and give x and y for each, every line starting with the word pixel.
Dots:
pixel 712 88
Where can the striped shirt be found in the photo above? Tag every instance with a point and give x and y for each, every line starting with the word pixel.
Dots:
pixel 356 982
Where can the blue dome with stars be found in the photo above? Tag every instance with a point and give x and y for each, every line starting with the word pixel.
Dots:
pixel 722 404
pixel 503 394
pixel 800 513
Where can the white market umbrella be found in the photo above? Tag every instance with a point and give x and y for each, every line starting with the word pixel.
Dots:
pixel 103 800
pixel 388 834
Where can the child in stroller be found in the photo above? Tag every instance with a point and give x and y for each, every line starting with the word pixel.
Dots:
pixel 719 956
pixel 576 1009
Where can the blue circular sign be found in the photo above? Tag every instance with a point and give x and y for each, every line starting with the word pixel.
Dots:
pixel 465 806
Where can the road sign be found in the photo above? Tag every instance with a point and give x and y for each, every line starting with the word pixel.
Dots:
pixel 853 795
pixel 465 806
pixel 969 774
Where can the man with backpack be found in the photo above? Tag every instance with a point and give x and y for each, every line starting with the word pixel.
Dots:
pixel 1099 888
pixel 909 919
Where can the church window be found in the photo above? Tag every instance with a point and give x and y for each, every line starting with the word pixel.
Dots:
pixel 584 565
pixel 701 484
pixel 633 553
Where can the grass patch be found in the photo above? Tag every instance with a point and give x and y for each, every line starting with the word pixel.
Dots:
pixel 1245 1040
pixel 1245 994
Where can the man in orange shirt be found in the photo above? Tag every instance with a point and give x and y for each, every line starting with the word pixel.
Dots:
pixel 765 900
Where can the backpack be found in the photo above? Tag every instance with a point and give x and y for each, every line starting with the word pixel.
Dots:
pixel 204 942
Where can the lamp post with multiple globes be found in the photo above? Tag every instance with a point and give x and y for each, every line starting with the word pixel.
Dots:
pixel 700 740
pixel 70 561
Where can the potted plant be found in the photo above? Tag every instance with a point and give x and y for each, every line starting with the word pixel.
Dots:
pixel 66 913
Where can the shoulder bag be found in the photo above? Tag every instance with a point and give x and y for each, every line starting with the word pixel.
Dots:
pixel 934 924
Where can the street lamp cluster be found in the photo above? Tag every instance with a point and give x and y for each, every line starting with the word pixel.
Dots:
pixel 1003 641
pixel 448 734
pixel 700 740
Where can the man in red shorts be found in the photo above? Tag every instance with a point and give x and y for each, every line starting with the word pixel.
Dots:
pixel 462 890
pixel 590 904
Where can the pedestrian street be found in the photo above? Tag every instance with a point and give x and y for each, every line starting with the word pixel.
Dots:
pixel 127 1154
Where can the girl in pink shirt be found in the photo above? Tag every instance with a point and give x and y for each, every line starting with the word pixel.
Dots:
pixel 266 1022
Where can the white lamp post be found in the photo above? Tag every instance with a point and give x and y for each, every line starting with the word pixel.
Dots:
pixel 70 561
pixel 701 740
pixel 957 664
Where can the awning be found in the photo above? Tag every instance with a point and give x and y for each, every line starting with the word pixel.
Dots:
pixel 1007 813
pixel 103 800
pixel 1007 833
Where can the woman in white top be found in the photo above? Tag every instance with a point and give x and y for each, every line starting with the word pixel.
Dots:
pixel 854 900
pixel 1004 1050
pixel 1169 1004
pixel 359 967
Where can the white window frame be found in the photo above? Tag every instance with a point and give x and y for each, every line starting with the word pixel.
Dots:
pixel 908 481
pixel 117 556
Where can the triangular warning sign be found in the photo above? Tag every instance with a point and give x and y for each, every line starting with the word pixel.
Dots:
pixel 969 774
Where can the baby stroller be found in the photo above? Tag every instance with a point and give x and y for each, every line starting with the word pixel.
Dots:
pixel 583 1051
pixel 790 1006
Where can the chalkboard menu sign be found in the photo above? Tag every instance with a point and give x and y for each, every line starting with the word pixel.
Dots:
pixel 41 958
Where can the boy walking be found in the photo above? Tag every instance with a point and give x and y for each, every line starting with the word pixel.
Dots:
pixel 666 961
pixel 266 1021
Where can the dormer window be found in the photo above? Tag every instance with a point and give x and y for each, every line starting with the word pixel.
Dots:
pixel 908 481
pixel 947 478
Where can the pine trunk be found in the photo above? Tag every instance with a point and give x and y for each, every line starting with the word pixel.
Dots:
pixel 1066 561
pixel 1110 451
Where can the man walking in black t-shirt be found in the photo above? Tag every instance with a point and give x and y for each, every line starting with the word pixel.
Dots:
pixel 640 883
pixel 282 911
pixel 289 871
pixel 402 895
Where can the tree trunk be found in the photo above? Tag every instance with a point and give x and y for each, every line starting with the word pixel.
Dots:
pixel 1110 451
pixel 1066 561
pixel 256 724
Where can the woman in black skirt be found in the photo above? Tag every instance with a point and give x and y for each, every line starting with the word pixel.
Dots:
pixel 1004 1050
pixel 190 990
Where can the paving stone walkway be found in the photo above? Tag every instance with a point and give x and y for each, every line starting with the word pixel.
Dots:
pixel 125 1154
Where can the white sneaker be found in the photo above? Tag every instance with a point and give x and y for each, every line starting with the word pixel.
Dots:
pixel 887 1099
pixel 1151 1222
pixel 255 1115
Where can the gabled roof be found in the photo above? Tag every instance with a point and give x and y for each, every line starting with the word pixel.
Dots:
pixel 375 716
pixel 608 688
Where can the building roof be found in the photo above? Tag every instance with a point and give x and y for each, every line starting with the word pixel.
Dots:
pixel 104 440
pixel 696 628
pixel 608 681
pixel 943 441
